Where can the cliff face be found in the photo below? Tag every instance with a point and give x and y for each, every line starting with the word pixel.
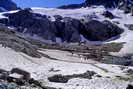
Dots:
pixel 7 5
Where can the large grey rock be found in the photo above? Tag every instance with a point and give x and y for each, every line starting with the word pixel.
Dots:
pixel 108 14
pixel 99 31
pixel 71 32
pixel 33 23
pixel 129 26
pixel 130 86
pixel 65 78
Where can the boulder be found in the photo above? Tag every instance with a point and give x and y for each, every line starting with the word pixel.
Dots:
pixel 58 17
pixel 65 78
pixel 58 79
pixel 100 31
pixel 130 86
pixel 71 31
pixel 113 29
pixel 129 26
pixel 108 14
pixel 25 75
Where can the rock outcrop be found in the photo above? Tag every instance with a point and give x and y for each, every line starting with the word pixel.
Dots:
pixel 66 28
pixel 99 31
pixel 108 14
pixel 130 86
pixel 8 81
pixel 64 79
pixel 129 26
pixel 9 38
pixel 126 5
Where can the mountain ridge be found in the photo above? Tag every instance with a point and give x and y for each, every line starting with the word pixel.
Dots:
pixel 88 3
pixel 7 5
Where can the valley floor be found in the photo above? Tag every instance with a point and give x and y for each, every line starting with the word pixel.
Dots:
pixel 112 76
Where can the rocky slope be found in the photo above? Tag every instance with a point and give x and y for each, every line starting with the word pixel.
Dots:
pixel 7 5
pixel 20 70
pixel 67 29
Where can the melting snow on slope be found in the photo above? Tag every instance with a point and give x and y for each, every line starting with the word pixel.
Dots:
pixel 97 11
pixel 76 13
pixel 127 36
pixel 40 69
